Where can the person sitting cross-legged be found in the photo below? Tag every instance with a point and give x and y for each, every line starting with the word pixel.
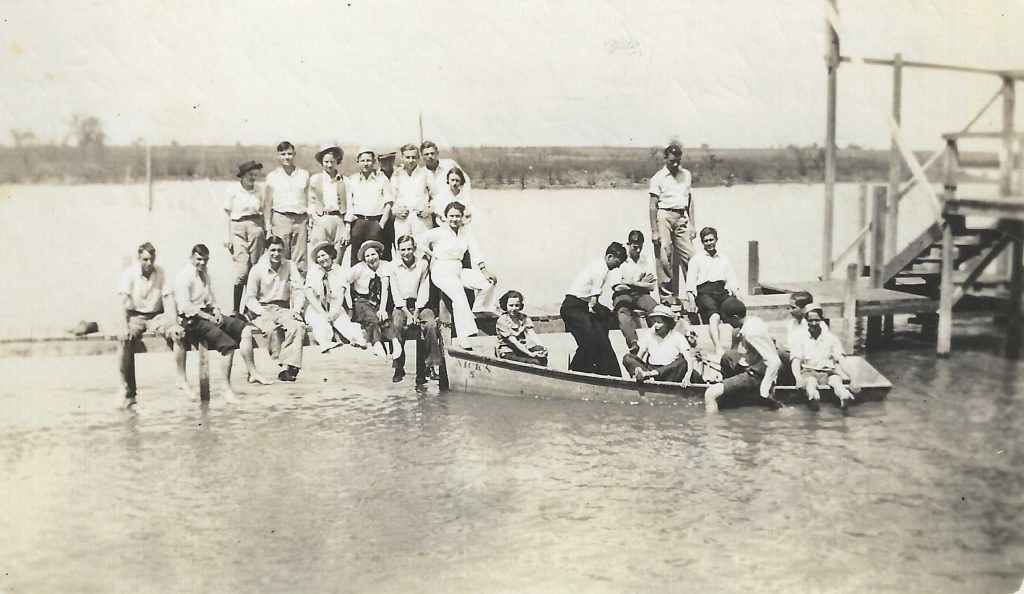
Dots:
pixel 663 353
pixel 517 339
pixel 326 287
pixel 818 358
pixel 710 280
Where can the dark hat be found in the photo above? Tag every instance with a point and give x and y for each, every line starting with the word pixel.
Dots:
pixel 733 307
pixel 323 246
pixel 367 245
pixel 247 167
pixel 635 236
pixel 336 151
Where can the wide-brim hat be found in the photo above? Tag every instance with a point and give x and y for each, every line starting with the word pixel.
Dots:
pixel 247 167
pixel 661 311
pixel 334 150
pixel 365 149
pixel 367 245
pixel 320 247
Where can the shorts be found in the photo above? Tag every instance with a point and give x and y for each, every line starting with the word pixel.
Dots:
pixel 222 338
pixel 634 300
pixel 710 297
pixel 161 323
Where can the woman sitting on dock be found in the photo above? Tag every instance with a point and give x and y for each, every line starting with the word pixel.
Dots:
pixel 664 354
pixel 517 339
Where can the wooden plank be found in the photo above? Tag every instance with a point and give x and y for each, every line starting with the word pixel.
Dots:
pixel 850 308
pixel 934 66
pixel 204 373
pixel 832 63
pixel 914 249
pixel 945 330
pixel 1012 347
pixel 753 268
pixel 1008 207
pixel 895 167
pixel 878 229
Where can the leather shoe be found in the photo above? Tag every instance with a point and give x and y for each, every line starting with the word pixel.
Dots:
pixel 399 376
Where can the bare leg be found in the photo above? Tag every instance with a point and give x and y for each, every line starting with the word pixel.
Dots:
pixel 229 394
pixel 715 329
pixel 247 346
pixel 127 371
pixel 813 397
pixel 841 390
pixel 179 362
pixel 711 397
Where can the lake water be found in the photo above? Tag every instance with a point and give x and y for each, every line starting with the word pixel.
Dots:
pixel 345 482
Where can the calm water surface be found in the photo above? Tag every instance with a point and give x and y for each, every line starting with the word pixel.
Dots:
pixel 354 484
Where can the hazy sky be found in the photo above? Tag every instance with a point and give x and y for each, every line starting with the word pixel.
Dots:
pixel 727 73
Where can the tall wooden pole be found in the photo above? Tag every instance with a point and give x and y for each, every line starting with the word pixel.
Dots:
pixel 946 293
pixel 832 63
pixel 149 176
pixel 753 269
pixel 421 128
pixel 1006 170
pixel 862 221
pixel 892 223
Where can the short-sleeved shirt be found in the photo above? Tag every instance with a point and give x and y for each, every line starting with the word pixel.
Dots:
pixel 820 354
pixel 266 285
pixel 146 293
pixel 757 342
pixel 590 281
pixel 410 282
pixel 412 190
pixel 367 196
pixel 673 193
pixel 705 268
pixel 360 275
pixel 192 292
pixel 327 193
pixel 287 192
pixel 240 203
pixel 662 351
pixel 507 327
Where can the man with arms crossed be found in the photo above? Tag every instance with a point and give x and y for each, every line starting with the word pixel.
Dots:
pixel 148 302
pixel 634 282
pixel 671 216
pixel 287 205
pixel 274 293
pixel 205 324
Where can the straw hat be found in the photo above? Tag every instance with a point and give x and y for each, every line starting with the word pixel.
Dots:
pixel 367 245
pixel 365 149
pixel 334 150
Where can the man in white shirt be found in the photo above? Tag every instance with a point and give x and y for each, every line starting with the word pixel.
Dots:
pixel 818 358
pixel 328 201
pixel 326 288
pixel 410 289
pixel 287 205
pixel 275 295
pixel 796 328
pixel 370 199
pixel 711 280
pixel 663 354
pixel 587 320
pixel 632 285
pixel 246 235
pixel 671 216
pixel 752 369
pixel 439 169
pixel 148 302
pixel 205 324
pixel 413 187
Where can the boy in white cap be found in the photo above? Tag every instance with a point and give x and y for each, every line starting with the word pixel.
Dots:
pixel 369 202
pixel 818 358
pixel 663 354
pixel 328 201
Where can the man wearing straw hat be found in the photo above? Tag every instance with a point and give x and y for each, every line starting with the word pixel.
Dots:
pixel 246 235
pixel 369 202
pixel 287 205
pixel 328 201
pixel 663 354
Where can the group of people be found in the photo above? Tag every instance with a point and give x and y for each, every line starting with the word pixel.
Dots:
pixel 411 247
pixel 811 356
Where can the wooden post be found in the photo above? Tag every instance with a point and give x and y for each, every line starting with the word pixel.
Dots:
pixel 878 228
pixel 421 128
pixel 892 224
pixel 832 63
pixel 149 176
pixel 946 293
pixel 1015 315
pixel 753 269
pixel 862 221
pixel 850 308
pixel 1004 263
pixel 204 373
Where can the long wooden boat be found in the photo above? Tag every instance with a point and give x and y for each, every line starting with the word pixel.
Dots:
pixel 479 371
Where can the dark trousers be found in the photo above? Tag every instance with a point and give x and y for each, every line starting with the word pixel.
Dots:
pixel 594 352
pixel 363 230
pixel 673 372
pixel 428 344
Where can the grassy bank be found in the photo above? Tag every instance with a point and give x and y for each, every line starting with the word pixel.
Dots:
pixel 489 167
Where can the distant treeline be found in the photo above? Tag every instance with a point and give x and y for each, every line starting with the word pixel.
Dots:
pixel 489 167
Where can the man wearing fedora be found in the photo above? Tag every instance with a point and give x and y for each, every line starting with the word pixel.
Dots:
pixel 326 289
pixel 369 284
pixel 328 201
pixel 671 216
pixel 246 235
pixel 287 205
pixel 274 293
pixel 369 202
pixel 663 353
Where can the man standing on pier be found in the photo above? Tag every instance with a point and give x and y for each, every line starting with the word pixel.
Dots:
pixel 439 169
pixel 369 202
pixel 286 205
pixel 148 302
pixel 328 201
pixel 671 216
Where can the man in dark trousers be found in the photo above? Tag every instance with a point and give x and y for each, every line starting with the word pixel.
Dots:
pixel 587 320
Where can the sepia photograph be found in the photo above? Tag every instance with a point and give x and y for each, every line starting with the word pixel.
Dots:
pixel 533 296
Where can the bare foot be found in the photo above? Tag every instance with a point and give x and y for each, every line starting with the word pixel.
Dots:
pixel 187 391
pixel 255 378
pixel 229 396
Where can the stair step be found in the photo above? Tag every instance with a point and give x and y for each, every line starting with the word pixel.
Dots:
pixel 915 274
